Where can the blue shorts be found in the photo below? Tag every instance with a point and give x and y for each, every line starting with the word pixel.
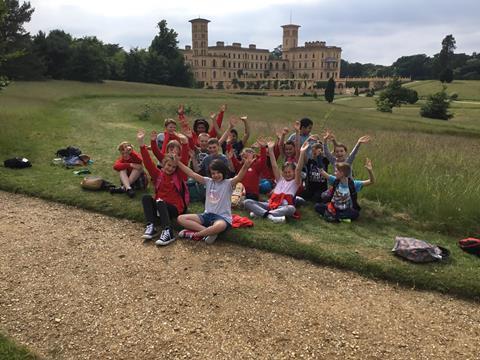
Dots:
pixel 207 219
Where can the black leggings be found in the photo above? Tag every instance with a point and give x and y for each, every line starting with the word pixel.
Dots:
pixel 158 211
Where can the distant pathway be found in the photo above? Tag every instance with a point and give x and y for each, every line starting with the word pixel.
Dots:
pixel 78 285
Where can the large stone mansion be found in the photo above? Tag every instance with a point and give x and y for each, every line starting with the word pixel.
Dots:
pixel 234 66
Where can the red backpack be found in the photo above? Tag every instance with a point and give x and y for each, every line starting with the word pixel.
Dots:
pixel 470 245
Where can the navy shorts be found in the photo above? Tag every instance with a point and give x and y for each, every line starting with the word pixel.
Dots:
pixel 207 219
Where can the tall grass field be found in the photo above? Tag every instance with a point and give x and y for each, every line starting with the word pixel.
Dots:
pixel 428 171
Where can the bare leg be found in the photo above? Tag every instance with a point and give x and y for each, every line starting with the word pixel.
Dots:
pixel 134 175
pixel 124 179
pixel 191 222
pixel 217 227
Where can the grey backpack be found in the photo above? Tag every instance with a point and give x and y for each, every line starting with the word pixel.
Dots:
pixel 418 251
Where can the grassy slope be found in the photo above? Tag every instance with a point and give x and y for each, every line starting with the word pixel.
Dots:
pixel 466 89
pixel 38 118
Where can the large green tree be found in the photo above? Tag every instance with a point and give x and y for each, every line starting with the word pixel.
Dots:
pixel 445 57
pixel 165 63
pixel 88 61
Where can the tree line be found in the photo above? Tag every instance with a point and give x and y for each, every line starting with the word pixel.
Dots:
pixel 59 55
pixel 444 66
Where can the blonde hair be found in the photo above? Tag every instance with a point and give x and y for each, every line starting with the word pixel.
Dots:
pixel 203 135
pixel 344 168
pixel 121 147
pixel 170 121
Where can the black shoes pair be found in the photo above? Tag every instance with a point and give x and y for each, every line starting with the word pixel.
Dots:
pixel 121 190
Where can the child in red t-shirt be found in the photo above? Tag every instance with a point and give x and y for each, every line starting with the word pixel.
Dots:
pixel 130 169
pixel 171 195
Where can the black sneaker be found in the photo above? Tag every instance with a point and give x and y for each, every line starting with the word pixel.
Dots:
pixel 166 237
pixel 131 193
pixel 117 190
pixel 150 232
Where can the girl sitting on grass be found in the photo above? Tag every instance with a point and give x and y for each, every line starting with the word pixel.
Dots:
pixel 281 202
pixel 217 216
pixel 171 195
pixel 130 169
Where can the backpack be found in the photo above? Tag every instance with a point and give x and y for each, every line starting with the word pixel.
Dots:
pixel 327 195
pixel 95 183
pixel 17 163
pixel 419 251
pixel 69 151
pixel 470 245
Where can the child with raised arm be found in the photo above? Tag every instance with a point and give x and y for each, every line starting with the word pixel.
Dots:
pixel 130 169
pixel 232 133
pixel 281 202
pixel 201 125
pixel 342 202
pixel 171 195
pixel 340 150
pixel 315 183
pixel 251 181
pixel 217 216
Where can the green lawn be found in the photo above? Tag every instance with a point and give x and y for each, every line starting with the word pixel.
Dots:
pixel 427 170
pixel 466 89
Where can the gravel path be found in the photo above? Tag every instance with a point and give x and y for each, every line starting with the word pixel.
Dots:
pixel 78 285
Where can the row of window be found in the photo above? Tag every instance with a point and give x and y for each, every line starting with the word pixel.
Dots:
pixel 231 75
pixel 262 66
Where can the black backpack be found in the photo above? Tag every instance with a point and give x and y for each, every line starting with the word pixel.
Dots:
pixel 68 152
pixel 17 163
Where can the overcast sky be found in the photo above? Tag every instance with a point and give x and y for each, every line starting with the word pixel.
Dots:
pixel 377 31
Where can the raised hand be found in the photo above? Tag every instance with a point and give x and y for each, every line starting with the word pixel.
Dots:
pixel 364 139
pixel 233 121
pixel 271 144
pixel 181 109
pixel 305 146
pixel 261 141
pixel 249 158
pixel 188 133
pixel 368 164
pixel 285 130
pixel 191 153
pixel 141 136
pixel 153 135
pixel 223 108
pixel 297 126
pixel 244 118
pixel 212 115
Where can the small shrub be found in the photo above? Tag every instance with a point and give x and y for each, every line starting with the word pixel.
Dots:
pixel 315 95
pixel 453 96
pixel 437 106
pixel 411 96
pixel 384 105
pixel 356 91
pixel 370 92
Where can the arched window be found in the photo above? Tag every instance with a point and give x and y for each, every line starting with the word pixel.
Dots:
pixel 224 63
pixel 214 63
pixel 313 75
pixel 283 66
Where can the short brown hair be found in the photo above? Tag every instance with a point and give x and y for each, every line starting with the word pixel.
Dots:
pixel 174 144
pixel 344 168
pixel 340 145
pixel 170 121
pixel 212 141
pixel 317 146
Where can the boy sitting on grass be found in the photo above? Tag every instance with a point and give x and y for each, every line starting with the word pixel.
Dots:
pixel 130 169
pixel 342 202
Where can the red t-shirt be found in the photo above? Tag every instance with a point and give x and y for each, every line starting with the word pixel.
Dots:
pixel 251 179
pixel 124 164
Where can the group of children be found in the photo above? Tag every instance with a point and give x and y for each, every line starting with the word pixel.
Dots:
pixel 218 162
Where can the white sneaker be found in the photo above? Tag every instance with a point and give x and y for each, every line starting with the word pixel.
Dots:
pixel 150 232
pixel 210 239
pixel 276 219
pixel 252 215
